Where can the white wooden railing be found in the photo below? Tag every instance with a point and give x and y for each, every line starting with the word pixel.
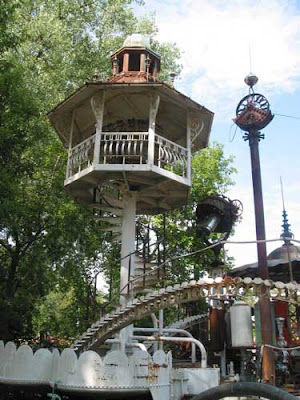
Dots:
pixel 124 148
pixel 128 148
pixel 170 156
pixel 81 156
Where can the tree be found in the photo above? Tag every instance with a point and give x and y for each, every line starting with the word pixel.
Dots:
pixel 48 244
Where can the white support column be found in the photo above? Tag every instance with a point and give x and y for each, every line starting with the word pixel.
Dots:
pixel 97 103
pixel 127 262
pixel 127 247
pixel 189 148
pixel 151 131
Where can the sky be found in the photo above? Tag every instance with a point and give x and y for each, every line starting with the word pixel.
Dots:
pixel 221 41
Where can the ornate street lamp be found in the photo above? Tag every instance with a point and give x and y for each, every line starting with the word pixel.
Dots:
pixel 253 114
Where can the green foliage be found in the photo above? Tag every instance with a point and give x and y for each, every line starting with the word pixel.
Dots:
pixel 50 248
pixel 212 173
pixel 58 314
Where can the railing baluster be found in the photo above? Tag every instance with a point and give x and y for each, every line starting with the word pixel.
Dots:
pixel 171 156
pixel 118 139
pixel 123 151
pixel 129 148
pixel 105 148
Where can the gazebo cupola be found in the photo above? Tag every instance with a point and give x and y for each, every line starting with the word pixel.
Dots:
pixel 135 62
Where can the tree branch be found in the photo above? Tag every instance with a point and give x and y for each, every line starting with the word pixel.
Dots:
pixel 6 246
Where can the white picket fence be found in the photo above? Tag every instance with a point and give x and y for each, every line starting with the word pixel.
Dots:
pixel 138 373
pixel 114 370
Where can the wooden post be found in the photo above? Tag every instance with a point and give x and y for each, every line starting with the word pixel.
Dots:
pixel 97 103
pixel 125 62
pixel 151 131
pixel 155 70
pixel 70 144
pixel 142 62
pixel 189 149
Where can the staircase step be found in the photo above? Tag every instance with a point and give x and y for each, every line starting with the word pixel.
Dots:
pixel 112 201
pixel 111 220
pixel 112 229
pixel 116 238
pixel 148 283
pixel 147 267
pixel 113 210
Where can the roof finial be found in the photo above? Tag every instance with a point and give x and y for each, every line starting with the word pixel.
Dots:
pixel 250 80
pixel 172 75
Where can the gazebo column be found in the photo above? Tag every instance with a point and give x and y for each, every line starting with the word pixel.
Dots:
pixel 188 147
pixel 70 144
pixel 97 103
pixel 142 62
pixel 151 130
pixel 126 62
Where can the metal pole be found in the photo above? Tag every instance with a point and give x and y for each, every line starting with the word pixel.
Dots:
pixel 268 366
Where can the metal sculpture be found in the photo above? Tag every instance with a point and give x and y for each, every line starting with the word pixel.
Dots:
pixel 252 114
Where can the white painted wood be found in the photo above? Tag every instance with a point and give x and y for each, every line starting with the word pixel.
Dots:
pixel 170 175
pixel 112 229
pixel 97 103
pixel 127 256
pixel 89 368
pixel 112 210
pixel 124 147
pixel 81 156
pixel 111 220
pixel 123 167
pixel 128 246
pixel 1 357
pixel 54 373
pixel 116 370
pixel 23 363
pixel 151 132
pixel 160 358
pixel 70 143
pixel 42 365
pixel 67 367
pixel 139 366
pixel 9 357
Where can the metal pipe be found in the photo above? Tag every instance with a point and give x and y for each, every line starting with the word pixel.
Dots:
pixel 138 345
pixel 109 341
pixel 141 346
pixel 172 330
pixel 177 339
pixel 242 389
pixel 161 326
pixel 155 325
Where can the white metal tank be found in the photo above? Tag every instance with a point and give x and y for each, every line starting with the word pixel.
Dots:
pixel 241 325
